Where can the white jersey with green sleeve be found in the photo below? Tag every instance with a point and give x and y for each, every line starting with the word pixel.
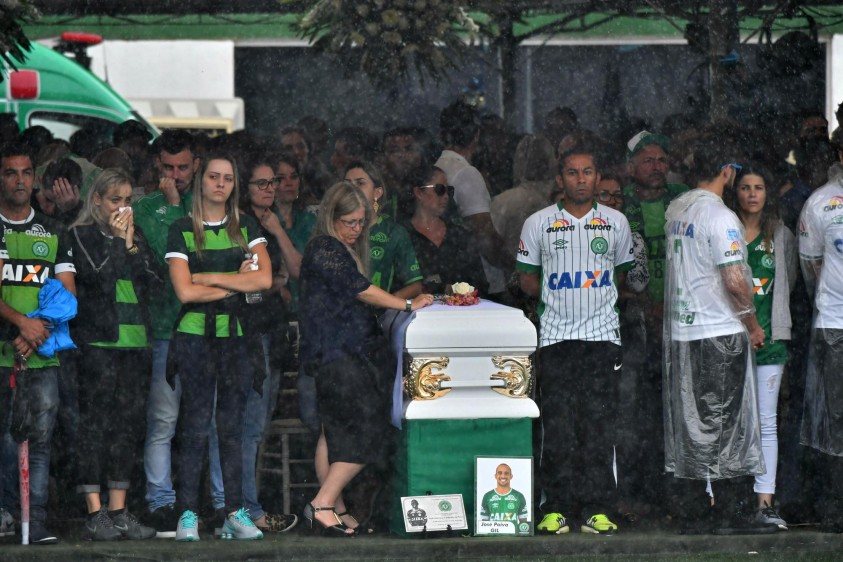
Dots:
pixel 703 236
pixel 576 259
pixel 821 238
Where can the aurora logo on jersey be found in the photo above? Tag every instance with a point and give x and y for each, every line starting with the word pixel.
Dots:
pixel 521 250
pixel 25 274
pixel 834 204
pixel 580 280
pixel 679 228
pixel 560 225
pixel 38 231
pixel 598 224
pixel 734 250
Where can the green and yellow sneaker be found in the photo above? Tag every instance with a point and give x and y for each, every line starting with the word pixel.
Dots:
pixel 599 525
pixel 553 524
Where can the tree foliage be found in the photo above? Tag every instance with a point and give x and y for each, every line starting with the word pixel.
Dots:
pixel 13 41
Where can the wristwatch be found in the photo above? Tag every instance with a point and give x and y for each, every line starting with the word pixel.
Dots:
pixel 133 250
pixel 408 305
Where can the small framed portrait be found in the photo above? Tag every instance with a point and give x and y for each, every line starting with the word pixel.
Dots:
pixel 503 488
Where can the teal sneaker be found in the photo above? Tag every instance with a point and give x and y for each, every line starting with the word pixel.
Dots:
pixel 188 531
pixel 553 524
pixel 240 526
pixel 599 525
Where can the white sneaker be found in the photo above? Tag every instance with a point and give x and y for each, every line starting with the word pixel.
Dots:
pixel 240 526
pixel 187 530
pixel 768 516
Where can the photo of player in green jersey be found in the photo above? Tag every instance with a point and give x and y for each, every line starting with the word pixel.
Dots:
pixel 504 509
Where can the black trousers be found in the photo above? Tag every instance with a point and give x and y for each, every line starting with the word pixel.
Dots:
pixel 578 385
pixel 113 386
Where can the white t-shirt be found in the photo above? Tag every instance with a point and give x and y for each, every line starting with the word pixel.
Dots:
pixel 577 259
pixel 702 239
pixel 821 237
pixel 470 192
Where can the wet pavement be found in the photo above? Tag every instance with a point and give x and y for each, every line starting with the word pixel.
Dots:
pixel 804 543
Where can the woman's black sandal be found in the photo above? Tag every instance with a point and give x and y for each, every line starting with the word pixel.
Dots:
pixel 338 530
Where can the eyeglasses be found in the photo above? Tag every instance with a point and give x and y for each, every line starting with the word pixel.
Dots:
pixel 605 196
pixel 440 189
pixel 737 167
pixel 353 224
pixel 264 184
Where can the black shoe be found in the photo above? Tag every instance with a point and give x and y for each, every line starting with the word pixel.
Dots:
pixel 130 528
pixel 38 534
pixel 164 520
pixel 316 526
pixel 99 527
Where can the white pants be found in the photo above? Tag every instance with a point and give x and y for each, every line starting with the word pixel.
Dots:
pixel 769 382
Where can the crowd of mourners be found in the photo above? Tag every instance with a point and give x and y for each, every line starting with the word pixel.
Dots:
pixel 686 363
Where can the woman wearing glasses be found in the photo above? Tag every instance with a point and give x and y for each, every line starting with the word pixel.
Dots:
pixel 343 348
pixel 445 250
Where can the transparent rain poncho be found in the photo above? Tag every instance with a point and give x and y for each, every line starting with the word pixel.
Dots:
pixel 711 418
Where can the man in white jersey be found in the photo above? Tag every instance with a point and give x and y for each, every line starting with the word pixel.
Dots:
pixel 712 430
pixel 821 254
pixel 574 254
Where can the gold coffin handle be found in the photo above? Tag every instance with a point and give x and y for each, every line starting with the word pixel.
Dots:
pixel 518 380
pixel 422 383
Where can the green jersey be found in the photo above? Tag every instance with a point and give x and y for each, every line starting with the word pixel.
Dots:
pixel 392 258
pixel 300 232
pixel 763 266
pixel 36 249
pixel 511 506
pixel 220 254
pixel 647 219
pixel 154 215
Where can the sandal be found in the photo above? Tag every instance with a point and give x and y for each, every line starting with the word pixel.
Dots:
pixel 366 529
pixel 337 530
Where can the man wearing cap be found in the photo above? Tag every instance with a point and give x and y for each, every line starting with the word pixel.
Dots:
pixel 647 197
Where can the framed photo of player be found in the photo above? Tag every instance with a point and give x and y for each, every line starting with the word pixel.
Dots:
pixel 503 492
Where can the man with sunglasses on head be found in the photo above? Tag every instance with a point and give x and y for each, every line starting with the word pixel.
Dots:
pixel 711 421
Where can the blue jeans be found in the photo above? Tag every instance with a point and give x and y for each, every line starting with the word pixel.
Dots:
pixel 259 410
pixel 162 413
pixel 44 405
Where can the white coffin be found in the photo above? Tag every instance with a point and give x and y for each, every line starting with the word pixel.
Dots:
pixel 472 338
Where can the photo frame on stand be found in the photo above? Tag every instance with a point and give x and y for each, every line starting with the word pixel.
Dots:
pixel 503 492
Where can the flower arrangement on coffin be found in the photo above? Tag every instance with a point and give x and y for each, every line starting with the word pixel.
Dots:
pixel 385 38
pixel 462 294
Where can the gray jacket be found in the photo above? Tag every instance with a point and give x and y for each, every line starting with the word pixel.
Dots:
pixel 784 244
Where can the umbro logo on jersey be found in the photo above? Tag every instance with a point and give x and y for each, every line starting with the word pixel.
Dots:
pixel 20 273
pixel 580 280
pixel 560 244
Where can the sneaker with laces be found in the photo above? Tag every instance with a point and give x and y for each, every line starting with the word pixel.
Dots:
pixel 240 526
pixel 38 534
pixel 280 522
pixel 599 525
pixel 553 524
pixel 769 517
pixel 7 523
pixel 188 527
pixel 164 520
pixel 99 527
pixel 130 528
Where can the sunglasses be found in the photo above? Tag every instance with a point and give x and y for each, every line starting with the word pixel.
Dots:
pixel 440 189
